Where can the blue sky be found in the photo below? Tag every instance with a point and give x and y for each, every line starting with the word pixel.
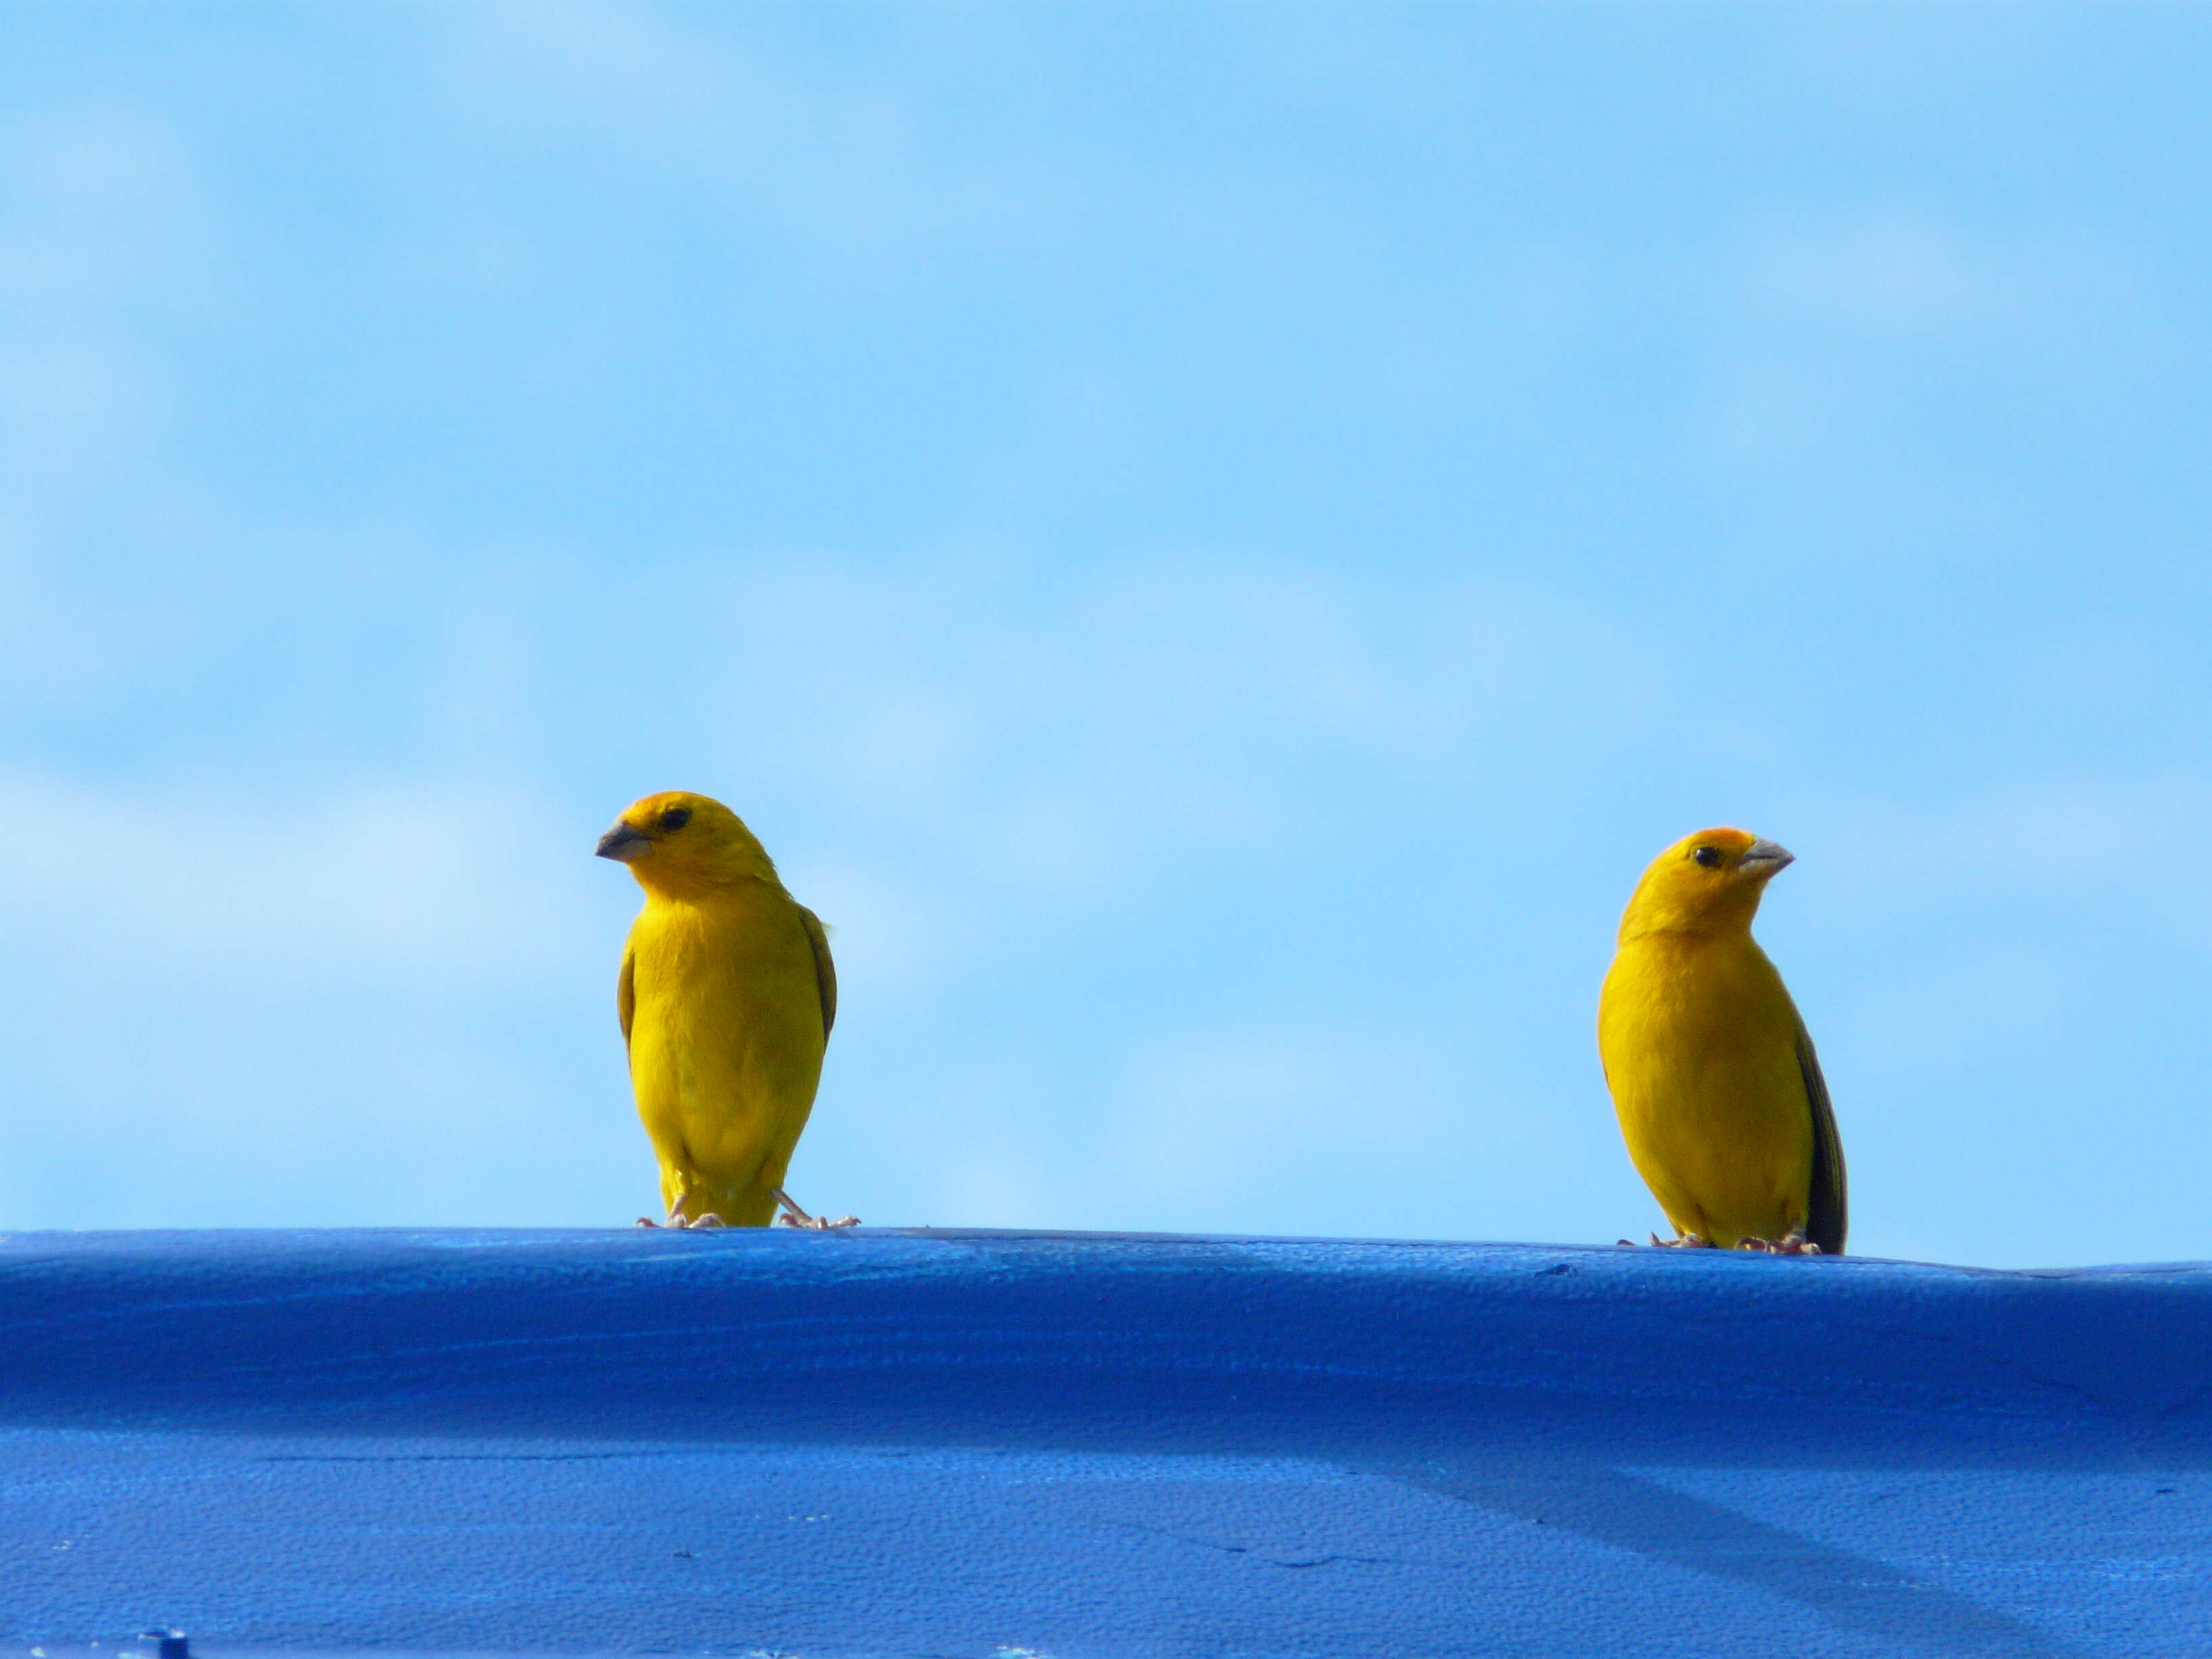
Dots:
pixel 1212 544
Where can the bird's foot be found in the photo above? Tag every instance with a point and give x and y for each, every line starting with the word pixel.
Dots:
pixel 1795 1244
pixel 677 1219
pixel 1686 1241
pixel 792 1216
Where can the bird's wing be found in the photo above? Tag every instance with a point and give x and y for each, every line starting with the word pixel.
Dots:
pixel 825 970
pixel 1827 1216
pixel 626 992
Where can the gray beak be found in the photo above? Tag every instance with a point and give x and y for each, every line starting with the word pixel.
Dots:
pixel 1763 858
pixel 625 846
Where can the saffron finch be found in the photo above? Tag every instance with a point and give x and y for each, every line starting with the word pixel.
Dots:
pixel 1719 1090
pixel 727 997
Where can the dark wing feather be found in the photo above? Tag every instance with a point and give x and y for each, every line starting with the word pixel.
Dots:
pixel 626 993
pixel 1828 1216
pixel 825 971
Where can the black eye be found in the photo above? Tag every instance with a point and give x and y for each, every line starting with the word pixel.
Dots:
pixel 1708 856
pixel 674 819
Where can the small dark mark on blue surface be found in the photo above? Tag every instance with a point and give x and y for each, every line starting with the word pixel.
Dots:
pixel 1331 1560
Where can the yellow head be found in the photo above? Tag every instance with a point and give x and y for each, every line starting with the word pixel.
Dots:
pixel 678 843
pixel 1708 882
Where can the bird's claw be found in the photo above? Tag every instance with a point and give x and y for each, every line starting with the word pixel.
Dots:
pixel 677 1219
pixel 792 1216
pixel 818 1223
pixel 1795 1243
pixel 1686 1241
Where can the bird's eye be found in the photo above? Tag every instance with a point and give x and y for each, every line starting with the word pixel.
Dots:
pixel 1708 856
pixel 674 819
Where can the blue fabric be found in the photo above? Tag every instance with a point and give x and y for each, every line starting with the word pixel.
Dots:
pixel 899 1444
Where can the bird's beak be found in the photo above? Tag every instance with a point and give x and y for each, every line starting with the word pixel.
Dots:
pixel 1761 858
pixel 625 846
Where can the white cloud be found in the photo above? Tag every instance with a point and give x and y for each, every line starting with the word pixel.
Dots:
pixel 1904 57
pixel 108 212
pixel 1894 272
pixel 73 412
pixel 1829 330
pixel 114 241
pixel 1260 1125
pixel 845 159
pixel 434 882
pixel 2131 851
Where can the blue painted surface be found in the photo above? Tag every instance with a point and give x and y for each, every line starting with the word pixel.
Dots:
pixel 890 1443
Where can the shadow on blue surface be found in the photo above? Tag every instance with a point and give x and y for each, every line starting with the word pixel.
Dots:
pixel 980 1442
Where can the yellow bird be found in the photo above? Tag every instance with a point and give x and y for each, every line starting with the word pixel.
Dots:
pixel 727 997
pixel 1719 1090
